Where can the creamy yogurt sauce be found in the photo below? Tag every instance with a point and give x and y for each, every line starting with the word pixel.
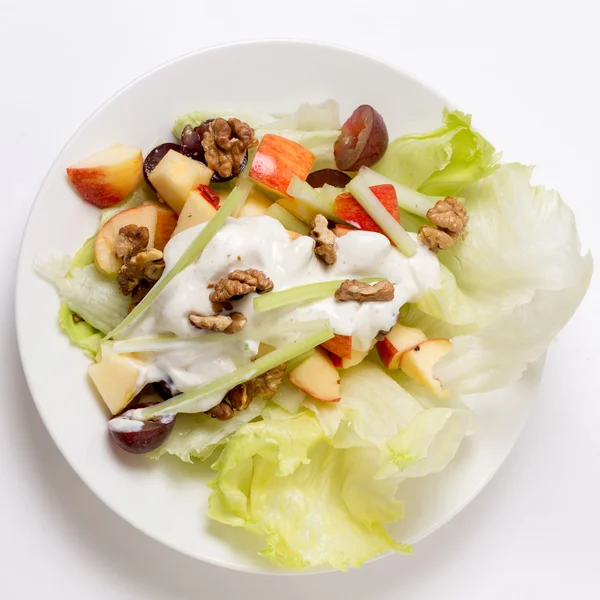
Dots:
pixel 263 243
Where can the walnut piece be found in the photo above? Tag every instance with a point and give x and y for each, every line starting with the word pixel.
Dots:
pixel 239 283
pixel 324 240
pixel 451 219
pixel 223 323
pixel 131 239
pixel 360 291
pixel 263 386
pixel 221 412
pixel 449 214
pixel 225 144
pixel 436 239
pixel 146 265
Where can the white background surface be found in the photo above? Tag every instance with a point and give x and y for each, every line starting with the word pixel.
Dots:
pixel 529 72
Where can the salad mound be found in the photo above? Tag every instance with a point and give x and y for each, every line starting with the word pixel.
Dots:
pixel 306 303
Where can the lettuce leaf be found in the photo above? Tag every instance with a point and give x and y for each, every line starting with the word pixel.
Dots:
pixel 320 484
pixel 441 162
pixel 82 334
pixel 520 239
pixel 199 435
pixel 94 297
pixel 499 353
pixel 315 504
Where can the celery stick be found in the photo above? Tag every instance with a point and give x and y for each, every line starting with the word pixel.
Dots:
pixel 302 293
pixel 237 197
pixel 408 199
pixel 245 373
pixel 367 199
pixel 287 219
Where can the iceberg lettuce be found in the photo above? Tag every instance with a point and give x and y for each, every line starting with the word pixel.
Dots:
pixel 441 162
pixel 319 485
pixel 82 334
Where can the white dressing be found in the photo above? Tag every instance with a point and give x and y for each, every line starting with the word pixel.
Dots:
pixel 263 243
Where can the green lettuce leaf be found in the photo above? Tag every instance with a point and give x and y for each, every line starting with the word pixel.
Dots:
pixel 82 334
pixel 94 297
pixel 315 504
pixel 441 162
pixel 499 353
pixel 320 484
pixel 520 239
pixel 199 435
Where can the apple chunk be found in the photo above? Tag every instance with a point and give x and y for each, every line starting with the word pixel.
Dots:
pixel 257 204
pixel 317 377
pixel 107 262
pixel 276 162
pixel 115 378
pixel 345 363
pixel 399 339
pixel 418 363
pixel 341 345
pixel 176 175
pixel 349 210
pixel 197 209
pixel 107 177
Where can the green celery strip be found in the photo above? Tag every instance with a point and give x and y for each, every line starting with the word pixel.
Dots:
pixel 302 293
pixel 245 373
pixel 367 199
pixel 236 198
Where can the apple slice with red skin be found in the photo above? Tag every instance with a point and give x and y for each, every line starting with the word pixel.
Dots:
pixel 347 208
pixel 276 162
pixel 317 377
pixel 342 230
pixel 398 340
pixel 160 222
pixel 341 345
pixel 107 177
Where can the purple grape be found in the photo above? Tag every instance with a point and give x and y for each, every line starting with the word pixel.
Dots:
pixel 155 156
pixel 333 177
pixel 191 143
pixel 142 438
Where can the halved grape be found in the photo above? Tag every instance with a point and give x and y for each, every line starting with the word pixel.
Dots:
pixel 363 140
pixel 155 156
pixel 333 177
pixel 139 437
pixel 191 142
pixel 164 389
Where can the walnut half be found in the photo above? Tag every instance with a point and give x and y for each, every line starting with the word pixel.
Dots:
pixel 263 386
pixel 324 240
pixel 239 283
pixel 225 144
pixel 353 290
pixel 223 323
pixel 451 219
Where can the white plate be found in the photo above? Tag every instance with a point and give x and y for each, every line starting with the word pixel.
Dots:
pixel 166 499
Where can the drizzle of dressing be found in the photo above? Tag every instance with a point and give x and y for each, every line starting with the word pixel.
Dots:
pixel 263 243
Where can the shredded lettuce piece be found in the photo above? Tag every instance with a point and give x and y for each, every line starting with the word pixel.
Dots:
pixel 443 161
pixel 82 334
pixel 197 436
pixel 310 117
pixel 94 297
